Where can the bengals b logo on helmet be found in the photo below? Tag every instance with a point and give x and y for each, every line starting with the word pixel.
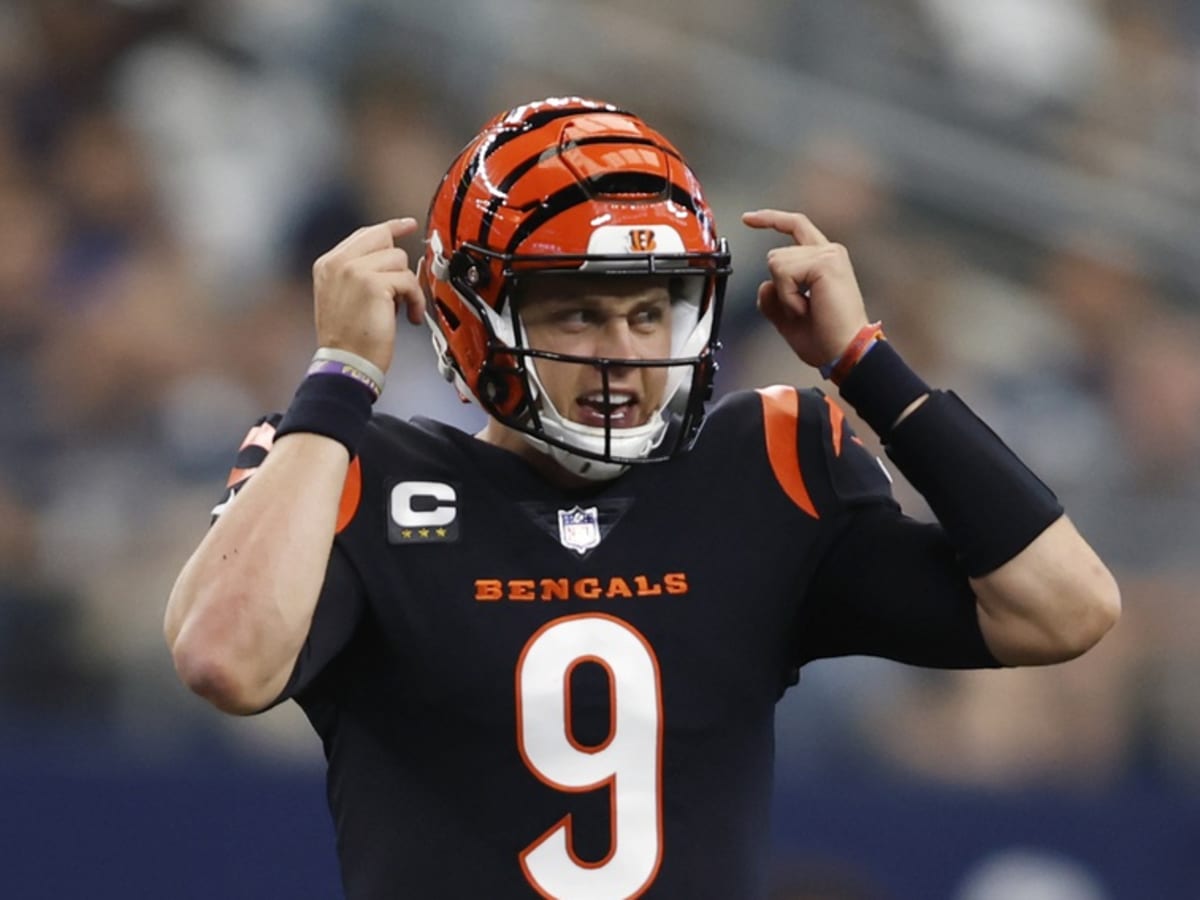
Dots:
pixel 641 240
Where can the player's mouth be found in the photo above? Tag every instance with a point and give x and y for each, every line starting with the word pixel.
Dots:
pixel 616 409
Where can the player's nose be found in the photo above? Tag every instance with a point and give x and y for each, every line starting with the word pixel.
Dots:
pixel 616 339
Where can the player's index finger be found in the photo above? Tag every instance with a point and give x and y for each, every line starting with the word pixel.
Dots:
pixel 380 236
pixel 402 227
pixel 796 225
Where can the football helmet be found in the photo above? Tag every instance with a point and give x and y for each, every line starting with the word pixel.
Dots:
pixel 560 186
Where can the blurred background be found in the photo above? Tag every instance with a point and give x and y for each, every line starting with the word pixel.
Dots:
pixel 1016 181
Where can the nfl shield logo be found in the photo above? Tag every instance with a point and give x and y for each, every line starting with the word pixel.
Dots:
pixel 579 529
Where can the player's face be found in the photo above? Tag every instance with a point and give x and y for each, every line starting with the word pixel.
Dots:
pixel 621 318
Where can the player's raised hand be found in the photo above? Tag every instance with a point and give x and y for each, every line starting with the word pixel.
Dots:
pixel 359 287
pixel 812 299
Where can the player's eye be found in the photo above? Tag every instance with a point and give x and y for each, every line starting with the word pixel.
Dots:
pixel 576 318
pixel 648 318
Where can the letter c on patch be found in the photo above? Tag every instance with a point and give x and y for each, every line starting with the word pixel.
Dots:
pixel 423 504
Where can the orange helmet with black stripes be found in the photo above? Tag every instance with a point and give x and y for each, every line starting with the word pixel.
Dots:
pixel 570 185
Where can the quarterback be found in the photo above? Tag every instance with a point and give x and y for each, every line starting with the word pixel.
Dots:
pixel 544 659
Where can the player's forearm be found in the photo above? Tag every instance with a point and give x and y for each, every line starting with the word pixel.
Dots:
pixel 242 605
pixel 1042 594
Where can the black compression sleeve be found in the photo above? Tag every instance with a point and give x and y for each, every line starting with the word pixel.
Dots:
pixel 880 387
pixel 989 502
pixel 991 505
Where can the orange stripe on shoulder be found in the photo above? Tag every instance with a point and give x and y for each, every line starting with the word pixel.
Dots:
pixel 351 495
pixel 836 418
pixel 262 435
pixel 781 412
pixel 236 475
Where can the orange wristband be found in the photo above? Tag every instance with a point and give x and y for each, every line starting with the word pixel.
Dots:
pixel 856 350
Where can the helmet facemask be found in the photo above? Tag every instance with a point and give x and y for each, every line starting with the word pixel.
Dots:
pixel 510 366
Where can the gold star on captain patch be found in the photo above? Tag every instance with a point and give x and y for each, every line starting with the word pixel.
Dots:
pixel 423 532
pixel 441 532
pixel 406 533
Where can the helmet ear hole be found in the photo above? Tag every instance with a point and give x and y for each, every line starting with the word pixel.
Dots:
pixel 501 393
pixel 466 269
pixel 493 388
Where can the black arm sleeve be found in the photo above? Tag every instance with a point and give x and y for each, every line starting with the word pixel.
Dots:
pixel 991 505
pixel 339 610
pixel 890 586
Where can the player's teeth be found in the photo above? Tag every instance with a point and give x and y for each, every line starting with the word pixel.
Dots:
pixel 615 399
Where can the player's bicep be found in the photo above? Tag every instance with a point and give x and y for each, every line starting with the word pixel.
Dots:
pixel 890 586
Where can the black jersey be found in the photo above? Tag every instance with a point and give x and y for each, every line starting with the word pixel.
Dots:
pixel 528 691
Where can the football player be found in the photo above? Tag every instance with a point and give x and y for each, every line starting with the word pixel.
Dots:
pixel 544 659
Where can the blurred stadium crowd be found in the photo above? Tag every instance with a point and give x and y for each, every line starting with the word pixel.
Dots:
pixel 1015 181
